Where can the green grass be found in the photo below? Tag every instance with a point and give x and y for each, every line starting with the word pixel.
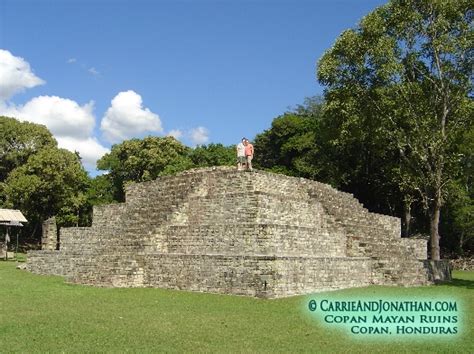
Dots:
pixel 44 314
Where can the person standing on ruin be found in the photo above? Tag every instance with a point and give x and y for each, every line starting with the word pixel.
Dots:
pixel 248 154
pixel 241 154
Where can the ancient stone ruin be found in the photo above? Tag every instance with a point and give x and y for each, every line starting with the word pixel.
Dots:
pixel 224 231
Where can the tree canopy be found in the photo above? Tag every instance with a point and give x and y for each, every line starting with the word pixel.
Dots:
pixel 37 177
pixel 51 183
pixel 20 140
pixel 139 160
pixel 290 145
pixel 213 155
pixel 402 82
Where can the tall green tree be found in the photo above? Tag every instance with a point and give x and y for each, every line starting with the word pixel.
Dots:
pixel 213 155
pixel 139 160
pixel 458 225
pixel 20 140
pixel 405 76
pixel 51 183
pixel 290 145
pixel 100 191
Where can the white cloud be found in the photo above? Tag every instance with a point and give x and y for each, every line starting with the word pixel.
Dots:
pixel 175 133
pixel 89 149
pixel 195 136
pixel 15 75
pixel 62 116
pixel 93 71
pixel 71 124
pixel 199 135
pixel 126 118
pixel 90 69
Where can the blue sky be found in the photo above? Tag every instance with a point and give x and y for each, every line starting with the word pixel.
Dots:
pixel 203 70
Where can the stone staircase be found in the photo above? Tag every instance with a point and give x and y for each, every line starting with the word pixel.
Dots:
pixel 372 235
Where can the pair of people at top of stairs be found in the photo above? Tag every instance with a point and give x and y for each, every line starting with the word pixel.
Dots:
pixel 245 153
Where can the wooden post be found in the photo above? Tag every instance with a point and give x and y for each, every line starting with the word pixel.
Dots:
pixel 7 239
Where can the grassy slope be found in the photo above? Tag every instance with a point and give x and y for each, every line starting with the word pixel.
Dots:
pixel 44 314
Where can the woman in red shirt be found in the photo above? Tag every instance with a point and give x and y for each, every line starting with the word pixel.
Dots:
pixel 248 154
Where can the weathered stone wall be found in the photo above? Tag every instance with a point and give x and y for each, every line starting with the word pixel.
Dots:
pixel 438 271
pixel 224 231
pixel 416 247
pixel 49 239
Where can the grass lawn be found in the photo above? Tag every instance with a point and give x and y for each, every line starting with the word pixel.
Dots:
pixel 44 314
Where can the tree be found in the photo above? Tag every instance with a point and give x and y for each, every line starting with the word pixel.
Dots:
pixel 290 146
pixel 405 75
pixel 139 160
pixel 20 140
pixel 458 214
pixel 51 183
pixel 213 155
pixel 101 190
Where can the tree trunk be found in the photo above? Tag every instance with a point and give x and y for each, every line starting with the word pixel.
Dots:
pixel 33 233
pixel 434 228
pixel 406 219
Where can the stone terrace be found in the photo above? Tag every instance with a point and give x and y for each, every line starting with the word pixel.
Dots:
pixel 225 231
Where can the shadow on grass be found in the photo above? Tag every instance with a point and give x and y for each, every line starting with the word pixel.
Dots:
pixel 461 283
pixel 458 283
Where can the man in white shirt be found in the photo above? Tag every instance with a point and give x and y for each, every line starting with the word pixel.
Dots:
pixel 241 154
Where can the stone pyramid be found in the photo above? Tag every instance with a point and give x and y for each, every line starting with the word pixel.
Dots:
pixel 225 231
